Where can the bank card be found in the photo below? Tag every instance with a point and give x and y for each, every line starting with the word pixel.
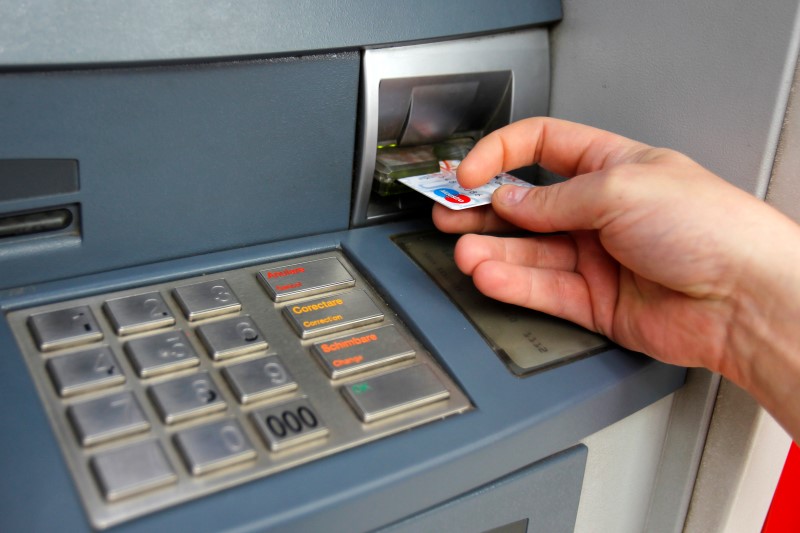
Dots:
pixel 443 187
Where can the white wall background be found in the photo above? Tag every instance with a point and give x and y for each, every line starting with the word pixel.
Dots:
pixel 711 79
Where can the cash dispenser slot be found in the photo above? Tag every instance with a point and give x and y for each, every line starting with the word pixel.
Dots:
pixel 426 103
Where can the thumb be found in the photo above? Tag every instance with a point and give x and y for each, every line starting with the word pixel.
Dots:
pixel 584 202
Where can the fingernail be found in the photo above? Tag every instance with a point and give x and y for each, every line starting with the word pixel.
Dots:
pixel 510 194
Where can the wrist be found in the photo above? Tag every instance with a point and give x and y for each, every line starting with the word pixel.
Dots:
pixel 763 351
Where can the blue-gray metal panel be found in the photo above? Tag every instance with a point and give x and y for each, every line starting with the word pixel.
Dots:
pixel 517 421
pixel 60 32
pixel 176 161
pixel 545 495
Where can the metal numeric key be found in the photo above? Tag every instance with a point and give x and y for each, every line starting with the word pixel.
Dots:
pixel 206 299
pixel 186 398
pixel 64 328
pixel 130 470
pixel 214 446
pixel 159 354
pixel 231 337
pixel 289 424
pixel 256 380
pixel 107 418
pixel 85 371
pixel 141 312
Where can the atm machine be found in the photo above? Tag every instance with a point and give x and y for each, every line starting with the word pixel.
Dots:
pixel 222 312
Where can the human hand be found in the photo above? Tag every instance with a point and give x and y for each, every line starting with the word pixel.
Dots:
pixel 651 250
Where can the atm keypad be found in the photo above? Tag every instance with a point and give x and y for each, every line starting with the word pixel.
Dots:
pixel 170 392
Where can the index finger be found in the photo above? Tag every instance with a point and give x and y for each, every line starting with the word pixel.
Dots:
pixel 565 148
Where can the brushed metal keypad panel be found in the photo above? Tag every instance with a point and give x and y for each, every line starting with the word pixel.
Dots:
pixel 173 391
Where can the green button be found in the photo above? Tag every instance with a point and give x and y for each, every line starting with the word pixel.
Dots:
pixel 360 388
